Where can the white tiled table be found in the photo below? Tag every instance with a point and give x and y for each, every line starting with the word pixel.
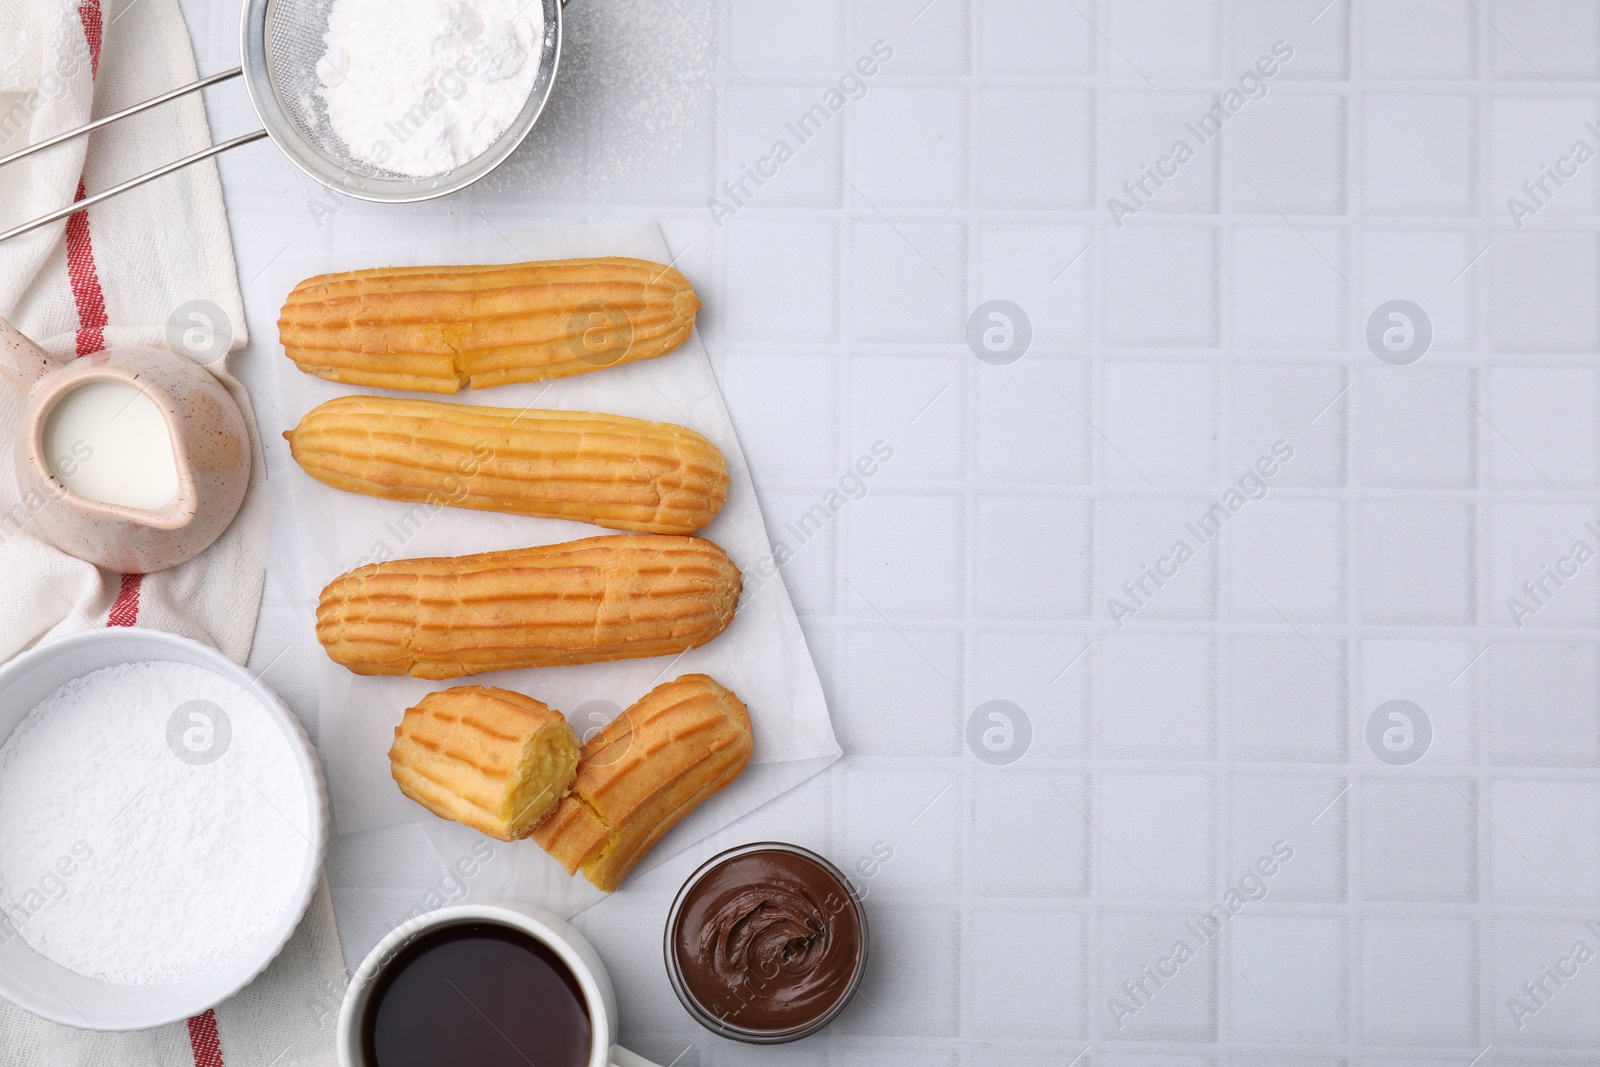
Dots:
pixel 1164 758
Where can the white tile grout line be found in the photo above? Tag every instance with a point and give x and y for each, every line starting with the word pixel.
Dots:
pixel 1222 592
pixel 969 372
pixel 1093 382
pixel 1480 275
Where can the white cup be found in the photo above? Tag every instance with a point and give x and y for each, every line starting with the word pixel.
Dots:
pixel 543 926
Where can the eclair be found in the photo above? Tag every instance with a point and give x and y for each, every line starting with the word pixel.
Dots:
pixel 491 759
pixel 611 470
pixel 643 772
pixel 625 596
pixel 440 329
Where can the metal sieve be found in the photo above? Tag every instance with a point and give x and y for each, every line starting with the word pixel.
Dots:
pixel 281 44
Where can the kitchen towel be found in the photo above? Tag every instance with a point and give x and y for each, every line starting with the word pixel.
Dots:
pixel 152 267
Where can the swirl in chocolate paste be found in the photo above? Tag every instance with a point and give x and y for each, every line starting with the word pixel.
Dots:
pixel 768 941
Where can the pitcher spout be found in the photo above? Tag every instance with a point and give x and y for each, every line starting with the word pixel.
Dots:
pixel 22 363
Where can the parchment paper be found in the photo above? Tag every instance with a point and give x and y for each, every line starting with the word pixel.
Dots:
pixel 323 532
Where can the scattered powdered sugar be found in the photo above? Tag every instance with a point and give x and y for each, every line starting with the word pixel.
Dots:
pixel 153 823
pixel 419 87
pixel 636 89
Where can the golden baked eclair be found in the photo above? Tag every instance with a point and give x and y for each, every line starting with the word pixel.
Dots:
pixel 437 329
pixel 683 741
pixel 622 596
pixel 491 759
pixel 613 471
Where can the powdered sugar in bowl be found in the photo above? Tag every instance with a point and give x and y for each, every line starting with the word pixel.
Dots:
pixel 162 825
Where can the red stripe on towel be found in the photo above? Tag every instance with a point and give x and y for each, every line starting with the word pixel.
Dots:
pixel 204 1040
pixel 125 609
pixel 85 279
pixel 81 271
pixel 94 30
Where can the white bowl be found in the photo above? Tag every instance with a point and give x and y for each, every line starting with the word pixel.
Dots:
pixel 49 990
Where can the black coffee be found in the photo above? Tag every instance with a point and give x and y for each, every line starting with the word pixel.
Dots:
pixel 479 994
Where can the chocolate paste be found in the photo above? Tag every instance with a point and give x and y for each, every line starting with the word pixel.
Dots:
pixel 768 941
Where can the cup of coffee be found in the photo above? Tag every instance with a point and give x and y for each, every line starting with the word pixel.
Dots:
pixel 486 985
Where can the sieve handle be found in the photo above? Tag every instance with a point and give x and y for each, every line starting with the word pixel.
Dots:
pixel 154 101
pixel 131 183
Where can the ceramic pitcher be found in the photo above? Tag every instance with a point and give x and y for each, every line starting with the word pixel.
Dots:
pixel 210 447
